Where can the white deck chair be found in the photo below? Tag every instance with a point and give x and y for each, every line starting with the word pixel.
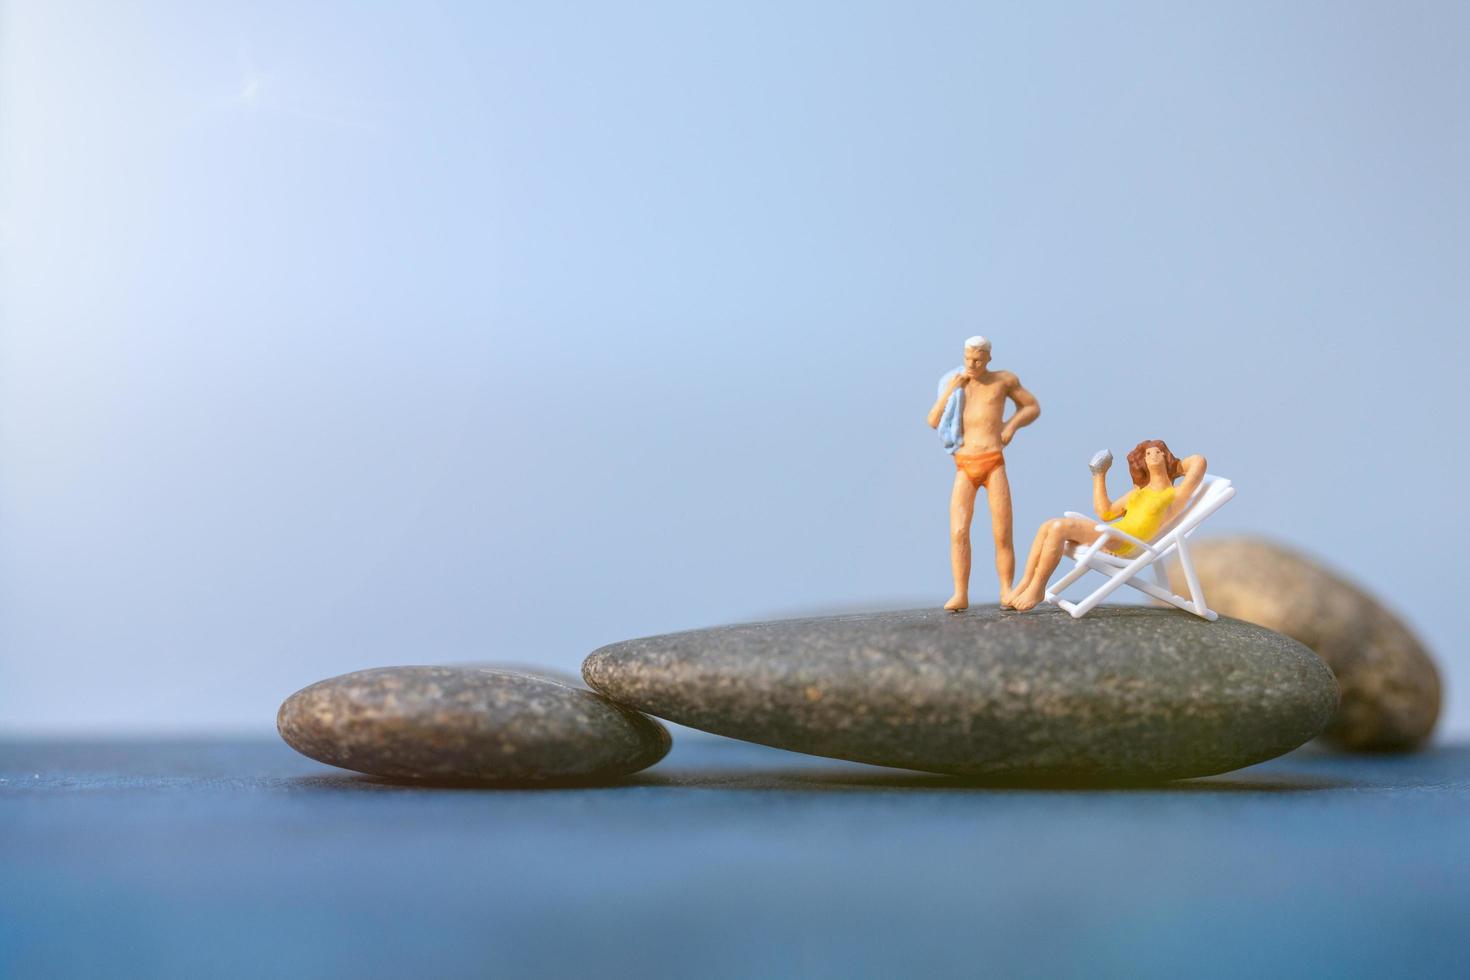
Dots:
pixel 1209 497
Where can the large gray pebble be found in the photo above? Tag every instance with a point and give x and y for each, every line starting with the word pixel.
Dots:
pixel 467 724
pixel 1390 687
pixel 1125 694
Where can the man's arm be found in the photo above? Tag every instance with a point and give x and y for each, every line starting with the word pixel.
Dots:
pixel 937 412
pixel 1028 410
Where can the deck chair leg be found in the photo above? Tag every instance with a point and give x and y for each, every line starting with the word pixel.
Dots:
pixel 1164 595
pixel 1052 591
pixel 1161 574
pixel 1086 606
pixel 1195 592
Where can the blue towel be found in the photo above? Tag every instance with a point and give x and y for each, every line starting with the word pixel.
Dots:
pixel 952 422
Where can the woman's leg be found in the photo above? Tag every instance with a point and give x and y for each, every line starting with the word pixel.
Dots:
pixel 1049 555
pixel 1031 559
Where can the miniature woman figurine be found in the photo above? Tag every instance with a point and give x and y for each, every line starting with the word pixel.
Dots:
pixel 1152 503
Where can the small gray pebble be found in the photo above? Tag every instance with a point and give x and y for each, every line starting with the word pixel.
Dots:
pixel 477 724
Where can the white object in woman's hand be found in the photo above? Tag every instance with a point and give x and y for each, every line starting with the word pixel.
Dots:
pixel 1101 460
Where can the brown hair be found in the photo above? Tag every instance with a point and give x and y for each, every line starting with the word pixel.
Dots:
pixel 1138 469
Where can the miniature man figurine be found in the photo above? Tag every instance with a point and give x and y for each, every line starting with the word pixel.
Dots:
pixel 969 415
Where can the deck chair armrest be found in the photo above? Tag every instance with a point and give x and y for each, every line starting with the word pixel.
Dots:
pixel 1108 530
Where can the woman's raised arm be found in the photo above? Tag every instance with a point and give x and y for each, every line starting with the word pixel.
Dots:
pixel 1105 508
pixel 1194 474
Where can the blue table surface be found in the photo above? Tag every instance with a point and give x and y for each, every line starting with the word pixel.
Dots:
pixel 213 858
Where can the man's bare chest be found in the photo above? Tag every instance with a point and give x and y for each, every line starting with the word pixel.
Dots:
pixel 984 396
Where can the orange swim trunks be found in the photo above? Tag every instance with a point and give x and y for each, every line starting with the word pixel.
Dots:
pixel 980 466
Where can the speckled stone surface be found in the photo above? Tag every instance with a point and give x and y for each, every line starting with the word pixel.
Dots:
pixel 475 724
pixel 1125 694
pixel 1390 686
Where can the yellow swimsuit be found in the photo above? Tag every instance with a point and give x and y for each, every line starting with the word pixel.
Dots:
pixel 1146 509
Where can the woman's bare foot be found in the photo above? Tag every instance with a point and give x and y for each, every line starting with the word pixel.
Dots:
pixel 958 602
pixel 1009 595
pixel 1027 599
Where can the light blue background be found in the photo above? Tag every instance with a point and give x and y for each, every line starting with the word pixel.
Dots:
pixel 337 335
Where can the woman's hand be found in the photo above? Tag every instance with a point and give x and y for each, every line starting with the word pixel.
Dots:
pixel 1103 507
pixel 1193 470
pixel 1193 464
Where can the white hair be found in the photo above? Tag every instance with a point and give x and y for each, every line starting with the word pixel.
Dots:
pixel 978 342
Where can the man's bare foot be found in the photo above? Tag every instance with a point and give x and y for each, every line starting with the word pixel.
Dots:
pixel 957 603
pixel 1028 599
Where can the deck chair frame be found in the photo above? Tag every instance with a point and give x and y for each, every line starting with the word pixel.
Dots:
pixel 1171 541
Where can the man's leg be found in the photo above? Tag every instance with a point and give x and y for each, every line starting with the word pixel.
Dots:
pixel 961 509
pixel 998 495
